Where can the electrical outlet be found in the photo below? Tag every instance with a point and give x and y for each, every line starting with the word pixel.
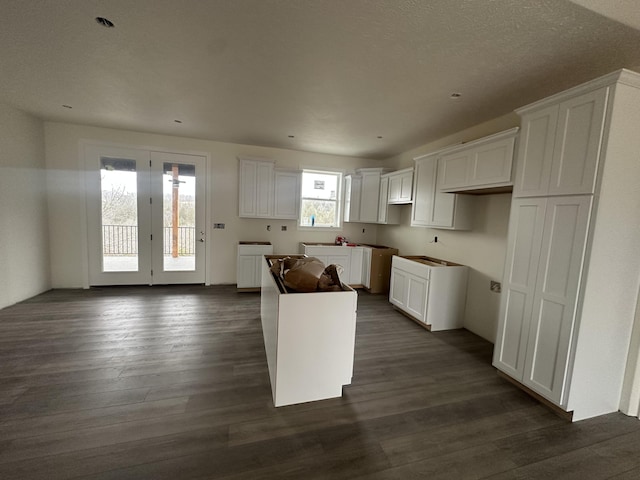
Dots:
pixel 496 287
pixel 283 228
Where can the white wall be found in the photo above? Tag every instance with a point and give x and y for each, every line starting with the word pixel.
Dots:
pixel 24 243
pixel 66 197
pixel 482 249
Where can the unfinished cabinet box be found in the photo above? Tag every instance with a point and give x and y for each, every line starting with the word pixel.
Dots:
pixel 309 339
pixel 376 267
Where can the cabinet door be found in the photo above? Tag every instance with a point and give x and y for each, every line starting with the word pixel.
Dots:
pixel 255 188
pixel 248 271
pixel 383 206
pixel 535 153
pixel 287 194
pixel 395 189
pixel 454 169
pixel 491 163
pixel 369 197
pixel 406 187
pixel 423 191
pixel 264 196
pixel 352 191
pixel 521 268
pixel 398 288
pixel 355 265
pixel 577 144
pixel 556 296
pixel 417 292
pixel 248 186
pixel 344 260
pixel 366 267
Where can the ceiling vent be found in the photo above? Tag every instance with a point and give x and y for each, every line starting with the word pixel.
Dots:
pixel 105 22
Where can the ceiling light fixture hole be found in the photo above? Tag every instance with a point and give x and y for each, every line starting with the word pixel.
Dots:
pixel 455 95
pixel 292 136
pixel 67 106
pixel 178 121
pixel 105 22
pixel 379 136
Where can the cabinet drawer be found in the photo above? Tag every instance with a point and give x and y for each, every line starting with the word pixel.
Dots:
pixel 255 249
pixel 415 268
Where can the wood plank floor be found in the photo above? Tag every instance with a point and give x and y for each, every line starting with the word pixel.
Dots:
pixel 172 383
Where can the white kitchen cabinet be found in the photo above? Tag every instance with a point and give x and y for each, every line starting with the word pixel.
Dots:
pixel 567 308
pixel 435 209
pixel 331 255
pixel 286 194
pixel 352 193
pixel 433 292
pixel 400 186
pixel 355 266
pixel 545 257
pixel 249 264
pixel 362 195
pixel 560 147
pixel 266 191
pixel 370 194
pixel 309 340
pixel 388 214
pixel 366 267
pixel 255 188
pixel 482 164
pixel 349 258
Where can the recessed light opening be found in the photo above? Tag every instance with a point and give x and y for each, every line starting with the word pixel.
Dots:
pixel 455 95
pixel 178 121
pixel 105 22
pixel 379 136
pixel 292 136
pixel 67 106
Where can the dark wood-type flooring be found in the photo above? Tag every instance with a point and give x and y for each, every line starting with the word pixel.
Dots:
pixel 172 383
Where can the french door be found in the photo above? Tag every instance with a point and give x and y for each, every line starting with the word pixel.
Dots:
pixel 145 216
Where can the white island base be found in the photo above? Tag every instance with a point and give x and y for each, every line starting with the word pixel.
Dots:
pixel 309 340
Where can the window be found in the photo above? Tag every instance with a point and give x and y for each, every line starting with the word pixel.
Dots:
pixel 319 205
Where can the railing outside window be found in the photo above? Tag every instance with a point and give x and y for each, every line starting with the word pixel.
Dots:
pixel 123 240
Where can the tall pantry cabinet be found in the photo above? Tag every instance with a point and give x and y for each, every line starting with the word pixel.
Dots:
pixel 572 271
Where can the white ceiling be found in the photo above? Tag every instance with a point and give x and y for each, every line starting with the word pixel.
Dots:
pixel 336 74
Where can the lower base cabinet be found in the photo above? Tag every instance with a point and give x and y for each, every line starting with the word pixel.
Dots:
pixel 309 339
pixel 432 292
pixel 249 267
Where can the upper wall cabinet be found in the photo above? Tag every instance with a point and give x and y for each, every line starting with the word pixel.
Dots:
pixel 400 186
pixel 483 164
pixel 352 193
pixel 362 195
pixel 266 191
pixel 560 146
pixel 435 209
pixel 286 198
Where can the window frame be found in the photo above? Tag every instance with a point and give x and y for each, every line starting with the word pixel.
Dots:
pixel 338 201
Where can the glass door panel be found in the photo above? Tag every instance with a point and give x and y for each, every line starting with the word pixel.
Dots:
pixel 179 217
pixel 118 216
pixel 119 199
